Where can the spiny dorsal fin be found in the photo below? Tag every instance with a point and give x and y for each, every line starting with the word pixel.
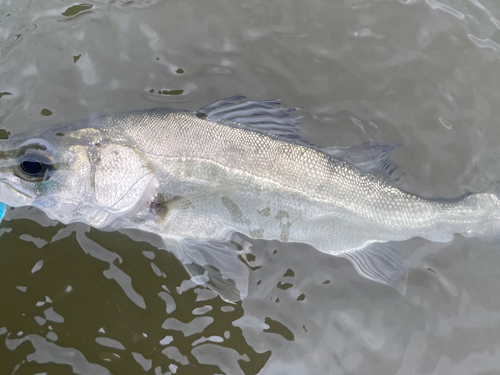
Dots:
pixel 265 116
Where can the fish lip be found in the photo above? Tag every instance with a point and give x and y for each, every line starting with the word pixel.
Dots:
pixel 17 188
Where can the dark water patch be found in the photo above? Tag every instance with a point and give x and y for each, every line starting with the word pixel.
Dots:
pixel 170 92
pixel 71 305
pixel 289 273
pixel 167 92
pixel 4 134
pixel 279 328
pixel 46 112
pixel 284 286
pixel 76 9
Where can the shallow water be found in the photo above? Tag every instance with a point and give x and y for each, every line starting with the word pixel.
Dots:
pixel 421 73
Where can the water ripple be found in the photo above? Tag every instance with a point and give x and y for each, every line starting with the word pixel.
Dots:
pixel 446 8
pixel 423 74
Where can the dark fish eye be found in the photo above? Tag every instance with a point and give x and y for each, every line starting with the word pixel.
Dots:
pixel 34 167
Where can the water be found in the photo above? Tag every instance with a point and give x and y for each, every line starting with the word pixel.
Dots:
pixel 421 73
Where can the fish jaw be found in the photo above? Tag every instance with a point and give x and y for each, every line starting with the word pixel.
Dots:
pixel 13 194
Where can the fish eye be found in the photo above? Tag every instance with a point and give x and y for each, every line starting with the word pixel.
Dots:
pixel 33 167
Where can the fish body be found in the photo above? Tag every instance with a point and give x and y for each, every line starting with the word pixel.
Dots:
pixel 271 188
pixel 233 166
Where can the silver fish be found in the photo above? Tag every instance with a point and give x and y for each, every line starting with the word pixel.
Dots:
pixel 195 177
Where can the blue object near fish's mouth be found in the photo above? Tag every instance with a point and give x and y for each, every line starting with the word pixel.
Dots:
pixel 3 208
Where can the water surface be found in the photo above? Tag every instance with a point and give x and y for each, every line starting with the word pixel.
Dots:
pixel 420 73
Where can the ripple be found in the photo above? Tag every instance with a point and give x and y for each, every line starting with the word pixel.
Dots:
pixel 484 43
pixel 446 8
pixel 37 267
pixel 423 74
pixel 47 352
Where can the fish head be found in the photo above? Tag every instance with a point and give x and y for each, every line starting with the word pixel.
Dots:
pixel 78 175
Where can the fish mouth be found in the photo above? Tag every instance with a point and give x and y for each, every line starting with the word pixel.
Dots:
pixel 14 195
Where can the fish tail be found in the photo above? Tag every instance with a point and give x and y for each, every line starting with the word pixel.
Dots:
pixel 495 236
pixel 489 229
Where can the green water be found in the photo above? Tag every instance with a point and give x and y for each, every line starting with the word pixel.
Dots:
pixel 91 305
pixel 420 73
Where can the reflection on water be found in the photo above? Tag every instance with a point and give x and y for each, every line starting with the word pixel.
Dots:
pixel 423 73
pixel 136 309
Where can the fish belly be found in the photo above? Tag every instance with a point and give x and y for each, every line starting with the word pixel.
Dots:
pixel 208 201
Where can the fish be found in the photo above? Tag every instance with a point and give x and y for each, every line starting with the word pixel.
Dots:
pixel 195 178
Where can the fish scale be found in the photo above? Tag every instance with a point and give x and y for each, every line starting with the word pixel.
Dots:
pixel 195 178
pixel 277 162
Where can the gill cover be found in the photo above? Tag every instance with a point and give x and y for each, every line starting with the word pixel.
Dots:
pixel 120 177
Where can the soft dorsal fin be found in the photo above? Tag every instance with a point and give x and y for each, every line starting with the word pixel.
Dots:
pixel 270 118
pixel 371 157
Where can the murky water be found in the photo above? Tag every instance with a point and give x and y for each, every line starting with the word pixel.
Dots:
pixel 422 73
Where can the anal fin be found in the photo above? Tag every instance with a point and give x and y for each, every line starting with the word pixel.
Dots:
pixel 384 262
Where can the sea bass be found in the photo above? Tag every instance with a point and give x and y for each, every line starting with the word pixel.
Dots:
pixel 196 177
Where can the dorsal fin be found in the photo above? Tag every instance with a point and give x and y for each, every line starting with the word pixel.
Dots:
pixel 265 116
pixel 270 118
pixel 371 157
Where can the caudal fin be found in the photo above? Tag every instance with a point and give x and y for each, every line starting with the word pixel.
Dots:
pixel 491 231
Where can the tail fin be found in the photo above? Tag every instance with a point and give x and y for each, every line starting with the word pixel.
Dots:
pixel 489 229
pixel 494 235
